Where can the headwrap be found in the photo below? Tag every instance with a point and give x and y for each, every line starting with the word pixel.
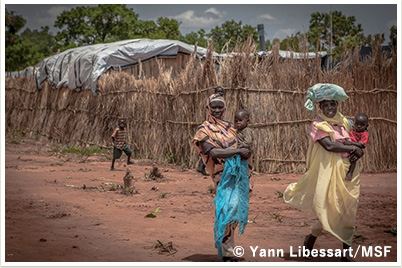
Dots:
pixel 321 92
pixel 217 132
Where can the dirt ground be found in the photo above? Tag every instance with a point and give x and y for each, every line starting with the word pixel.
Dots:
pixel 67 208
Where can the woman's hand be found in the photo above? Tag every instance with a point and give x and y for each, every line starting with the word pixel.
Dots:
pixel 245 153
pixel 347 142
pixel 356 154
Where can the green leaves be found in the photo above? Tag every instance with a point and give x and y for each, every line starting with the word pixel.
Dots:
pixel 101 24
pixel 231 31
pixel 393 36
pixel 20 51
pixel 345 32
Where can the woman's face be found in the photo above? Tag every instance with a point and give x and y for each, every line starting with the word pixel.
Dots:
pixel 217 109
pixel 329 108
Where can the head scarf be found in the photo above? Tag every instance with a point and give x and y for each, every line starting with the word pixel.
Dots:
pixel 217 132
pixel 212 98
pixel 320 92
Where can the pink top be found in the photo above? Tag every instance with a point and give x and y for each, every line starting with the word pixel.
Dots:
pixel 340 134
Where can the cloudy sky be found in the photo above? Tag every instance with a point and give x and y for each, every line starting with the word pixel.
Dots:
pixel 280 20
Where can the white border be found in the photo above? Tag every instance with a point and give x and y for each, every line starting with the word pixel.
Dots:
pixel 187 264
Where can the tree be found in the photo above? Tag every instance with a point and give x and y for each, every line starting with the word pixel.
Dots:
pixel 345 32
pixel 20 52
pixel 145 29
pixel 167 29
pixel 369 40
pixel 296 42
pixel 85 25
pixel 231 32
pixel 392 36
pixel 14 23
pixel 44 40
pixel 199 37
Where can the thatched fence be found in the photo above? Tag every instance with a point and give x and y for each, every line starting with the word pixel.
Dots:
pixel 164 112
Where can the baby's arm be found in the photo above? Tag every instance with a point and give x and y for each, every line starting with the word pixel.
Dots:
pixel 248 138
pixel 358 144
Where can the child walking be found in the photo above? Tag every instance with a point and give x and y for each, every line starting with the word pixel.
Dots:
pixel 358 137
pixel 119 138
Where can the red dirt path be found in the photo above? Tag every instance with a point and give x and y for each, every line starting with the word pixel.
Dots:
pixel 49 217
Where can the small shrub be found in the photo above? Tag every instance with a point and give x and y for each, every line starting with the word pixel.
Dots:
pixel 163 195
pixel 279 193
pixel 277 217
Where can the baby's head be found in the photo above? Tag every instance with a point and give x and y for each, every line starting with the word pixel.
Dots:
pixel 361 122
pixel 122 123
pixel 241 119
pixel 219 90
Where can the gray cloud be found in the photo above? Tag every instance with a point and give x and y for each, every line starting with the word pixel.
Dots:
pixel 265 19
pixel 51 15
pixel 283 33
pixel 216 12
pixel 190 19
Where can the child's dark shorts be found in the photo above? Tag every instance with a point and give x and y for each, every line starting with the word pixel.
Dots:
pixel 117 152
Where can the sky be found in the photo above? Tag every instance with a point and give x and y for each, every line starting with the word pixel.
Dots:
pixel 279 20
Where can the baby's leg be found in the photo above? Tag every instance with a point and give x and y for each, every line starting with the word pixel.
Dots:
pixel 349 175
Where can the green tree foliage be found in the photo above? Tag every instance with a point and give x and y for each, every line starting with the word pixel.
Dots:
pixel 369 40
pixel 200 37
pixel 145 28
pixel 86 25
pixel 229 33
pixel 21 54
pixel 14 23
pixel 44 40
pixel 20 51
pixel 296 42
pixel 392 36
pixel 345 32
pixel 167 29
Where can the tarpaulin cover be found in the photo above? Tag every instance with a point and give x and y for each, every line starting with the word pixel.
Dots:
pixel 80 68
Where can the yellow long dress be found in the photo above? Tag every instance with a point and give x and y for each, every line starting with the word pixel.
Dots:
pixel 323 189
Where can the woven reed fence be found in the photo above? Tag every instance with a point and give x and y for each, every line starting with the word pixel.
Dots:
pixel 164 112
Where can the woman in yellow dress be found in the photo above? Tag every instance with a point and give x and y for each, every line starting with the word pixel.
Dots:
pixel 323 190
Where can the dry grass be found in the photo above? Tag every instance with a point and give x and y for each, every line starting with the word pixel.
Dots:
pixel 164 109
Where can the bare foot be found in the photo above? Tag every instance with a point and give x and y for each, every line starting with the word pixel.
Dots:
pixel 112 168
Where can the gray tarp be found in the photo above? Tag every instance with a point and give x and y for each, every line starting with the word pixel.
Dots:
pixel 284 54
pixel 80 68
